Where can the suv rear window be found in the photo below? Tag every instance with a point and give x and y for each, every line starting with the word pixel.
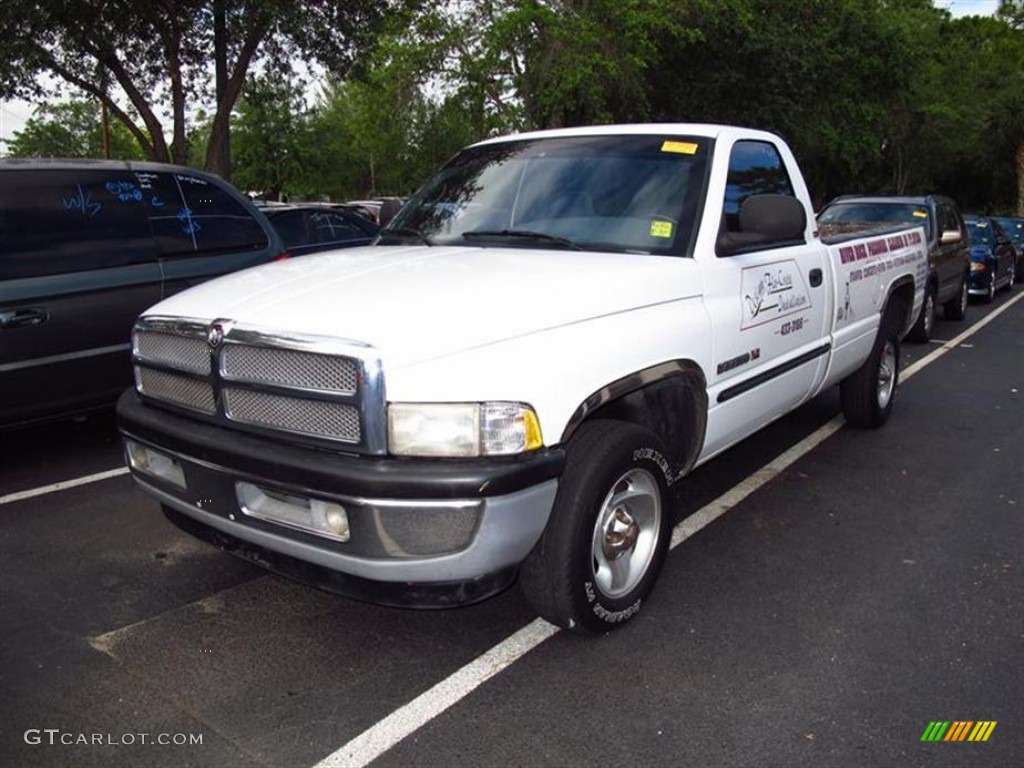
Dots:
pixel 191 215
pixel 861 216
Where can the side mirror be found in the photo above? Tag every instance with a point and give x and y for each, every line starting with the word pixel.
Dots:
pixel 765 221
pixel 950 236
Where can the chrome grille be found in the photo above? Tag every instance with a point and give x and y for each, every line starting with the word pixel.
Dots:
pixel 312 388
pixel 179 390
pixel 320 418
pixel 183 352
pixel 290 368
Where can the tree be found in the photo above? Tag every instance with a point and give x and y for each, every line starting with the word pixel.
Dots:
pixel 71 129
pixel 268 135
pixel 158 54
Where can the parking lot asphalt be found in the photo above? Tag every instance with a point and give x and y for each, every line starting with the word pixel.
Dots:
pixel 873 586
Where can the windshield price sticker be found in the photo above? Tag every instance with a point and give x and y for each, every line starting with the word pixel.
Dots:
pixel 679 147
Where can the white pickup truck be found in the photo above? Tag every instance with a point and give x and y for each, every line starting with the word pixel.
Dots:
pixel 554 330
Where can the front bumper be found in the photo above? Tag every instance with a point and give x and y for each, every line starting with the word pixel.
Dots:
pixel 426 533
pixel 980 283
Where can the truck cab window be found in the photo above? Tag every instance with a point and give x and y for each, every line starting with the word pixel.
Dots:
pixel 755 168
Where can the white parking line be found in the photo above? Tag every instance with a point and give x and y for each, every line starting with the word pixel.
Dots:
pixel 62 485
pixel 406 720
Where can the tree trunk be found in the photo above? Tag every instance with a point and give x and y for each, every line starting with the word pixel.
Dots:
pixel 179 147
pixel 232 89
pixel 220 60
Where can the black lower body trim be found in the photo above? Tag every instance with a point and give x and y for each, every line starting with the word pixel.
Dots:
pixel 763 378
pixel 431 595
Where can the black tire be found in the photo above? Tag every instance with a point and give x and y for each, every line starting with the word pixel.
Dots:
pixel 867 394
pixel 922 329
pixel 1018 274
pixel 990 293
pixel 570 576
pixel 956 308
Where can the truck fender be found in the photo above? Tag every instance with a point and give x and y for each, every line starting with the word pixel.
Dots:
pixel 669 399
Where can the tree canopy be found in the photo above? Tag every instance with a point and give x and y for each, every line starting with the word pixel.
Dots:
pixel 886 96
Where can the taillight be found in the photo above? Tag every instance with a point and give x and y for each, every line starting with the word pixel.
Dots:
pixel 283 256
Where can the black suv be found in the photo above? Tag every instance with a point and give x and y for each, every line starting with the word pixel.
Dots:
pixel 949 260
pixel 85 247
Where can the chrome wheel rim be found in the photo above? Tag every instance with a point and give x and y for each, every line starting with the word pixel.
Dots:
pixel 963 297
pixel 886 373
pixel 929 313
pixel 626 533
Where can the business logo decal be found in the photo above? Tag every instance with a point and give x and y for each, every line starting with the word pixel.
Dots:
pixel 772 291
pixel 958 730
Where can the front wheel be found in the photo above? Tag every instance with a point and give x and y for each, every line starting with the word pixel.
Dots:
pixel 866 395
pixel 600 555
pixel 990 291
pixel 1011 278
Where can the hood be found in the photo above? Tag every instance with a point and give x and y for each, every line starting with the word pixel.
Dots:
pixel 419 303
pixel 981 252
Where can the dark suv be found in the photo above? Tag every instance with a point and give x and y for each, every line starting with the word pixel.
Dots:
pixel 85 247
pixel 949 259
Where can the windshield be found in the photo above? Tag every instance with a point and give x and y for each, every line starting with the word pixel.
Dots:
pixel 979 233
pixel 1014 228
pixel 859 216
pixel 606 193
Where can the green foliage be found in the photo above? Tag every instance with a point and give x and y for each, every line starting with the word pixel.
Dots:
pixel 71 129
pixel 889 96
pixel 268 137
pixel 159 56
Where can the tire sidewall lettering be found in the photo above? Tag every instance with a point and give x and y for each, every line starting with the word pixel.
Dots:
pixel 615 617
pixel 655 456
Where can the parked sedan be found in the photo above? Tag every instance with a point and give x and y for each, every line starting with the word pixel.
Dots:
pixel 311 227
pixel 992 257
pixel 1014 227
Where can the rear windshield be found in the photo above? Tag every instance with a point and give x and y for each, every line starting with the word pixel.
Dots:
pixel 840 218
pixel 635 194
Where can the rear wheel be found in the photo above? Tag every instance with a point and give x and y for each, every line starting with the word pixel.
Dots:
pixel 922 329
pixel 609 531
pixel 956 309
pixel 1011 278
pixel 867 394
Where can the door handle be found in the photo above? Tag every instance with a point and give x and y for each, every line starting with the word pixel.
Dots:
pixel 815 276
pixel 21 318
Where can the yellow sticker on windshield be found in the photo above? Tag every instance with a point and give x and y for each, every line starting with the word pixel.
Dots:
pixel 920 214
pixel 680 147
pixel 661 229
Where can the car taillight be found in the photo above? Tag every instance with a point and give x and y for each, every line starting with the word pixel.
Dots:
pixel 283 256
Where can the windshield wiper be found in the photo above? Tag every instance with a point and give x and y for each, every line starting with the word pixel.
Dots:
pixel 519 234
pixel 407 232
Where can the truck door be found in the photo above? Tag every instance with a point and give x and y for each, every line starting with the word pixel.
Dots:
pixel 768 300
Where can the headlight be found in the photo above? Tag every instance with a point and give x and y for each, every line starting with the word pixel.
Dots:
pixel 462 429
pixel 978 266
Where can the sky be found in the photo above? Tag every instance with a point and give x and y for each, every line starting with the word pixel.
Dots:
pixel 14 113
